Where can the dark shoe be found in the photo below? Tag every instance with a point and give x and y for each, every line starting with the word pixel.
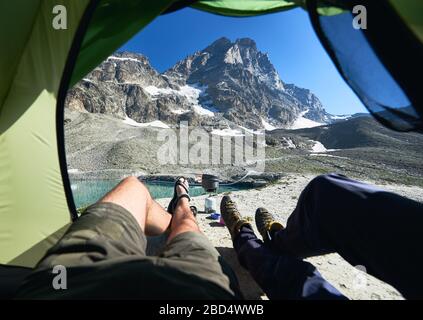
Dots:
pixel 183 182
pixel 231 216
pixel 194 210
pixel 266 224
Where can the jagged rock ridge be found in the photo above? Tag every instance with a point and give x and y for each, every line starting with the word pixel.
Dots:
pixel 227 83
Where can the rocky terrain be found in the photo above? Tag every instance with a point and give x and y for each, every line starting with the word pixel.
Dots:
pixel 226 85
pixel 101 146
pixel 359 147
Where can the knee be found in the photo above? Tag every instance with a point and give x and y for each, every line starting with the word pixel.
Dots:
pixel 131 179
pixel 134 183
pixel 323 190
pixel 326 181
pixel 187 222
pixel 327 193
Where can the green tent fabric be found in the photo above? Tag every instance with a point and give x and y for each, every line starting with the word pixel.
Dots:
pixel 246 8
pixel 32 199
pixel 37 65
pixel 411 12
pixel 33 207
pixel 113 23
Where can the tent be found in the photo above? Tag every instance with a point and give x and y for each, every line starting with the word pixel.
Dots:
pixel 39 63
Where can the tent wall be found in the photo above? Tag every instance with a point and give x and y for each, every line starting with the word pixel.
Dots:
pixel 33 209
pixel 15 38
pixel 32 199
pixel 114 22
pixel 411 11
pixel 245 8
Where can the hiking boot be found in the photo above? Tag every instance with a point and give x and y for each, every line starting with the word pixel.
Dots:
pixel 266 224
pixel 231 216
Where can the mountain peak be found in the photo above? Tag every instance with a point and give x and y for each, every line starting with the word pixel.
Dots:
pixel 221 40
pixel 224 44
pixel 221 43
pixel 246 42
pixel 240 60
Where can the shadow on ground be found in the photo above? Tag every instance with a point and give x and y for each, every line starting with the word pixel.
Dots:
pixel 248 286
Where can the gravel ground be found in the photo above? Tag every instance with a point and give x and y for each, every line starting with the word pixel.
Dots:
pixel 280 199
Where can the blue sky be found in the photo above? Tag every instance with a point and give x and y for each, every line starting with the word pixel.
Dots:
pixel 287 37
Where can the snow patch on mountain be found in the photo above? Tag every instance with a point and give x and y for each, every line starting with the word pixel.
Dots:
pixel 154 91
pixel 179 111
pixel 340 117
pixel 318 147
pixel 88 80
pixel 192 93
pixel 302 122
pixel 267 126
pixel 156 123
pixel 288 143
pixel 252 131
pixel 123 59
pixel 228 132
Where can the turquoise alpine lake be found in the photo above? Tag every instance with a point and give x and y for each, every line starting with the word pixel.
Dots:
pixel 86 192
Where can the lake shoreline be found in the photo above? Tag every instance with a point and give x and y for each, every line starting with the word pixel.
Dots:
pixel 117 174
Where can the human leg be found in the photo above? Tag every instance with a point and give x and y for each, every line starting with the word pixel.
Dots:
pixel 281 276
pixel 367 226
pixel 134 196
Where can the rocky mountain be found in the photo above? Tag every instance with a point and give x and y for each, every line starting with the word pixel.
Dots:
pixel 227 84
pixel 359 132
pixel 369 146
